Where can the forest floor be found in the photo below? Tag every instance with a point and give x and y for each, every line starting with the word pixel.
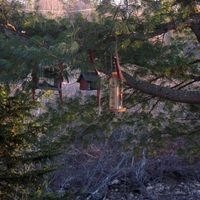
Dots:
pixel 167 178
pixel 102 173
pixel 103 170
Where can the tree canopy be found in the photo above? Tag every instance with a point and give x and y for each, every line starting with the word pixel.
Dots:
pixel 164 30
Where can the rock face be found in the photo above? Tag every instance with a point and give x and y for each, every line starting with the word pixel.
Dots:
pixel 55 8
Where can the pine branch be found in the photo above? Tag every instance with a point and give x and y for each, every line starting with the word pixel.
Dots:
pixel 13 33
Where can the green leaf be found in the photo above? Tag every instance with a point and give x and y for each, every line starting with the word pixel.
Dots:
pixel 74 47
pixel 5 64
pixel 32 54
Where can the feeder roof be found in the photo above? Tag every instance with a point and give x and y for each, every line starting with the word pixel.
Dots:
pixel 88 76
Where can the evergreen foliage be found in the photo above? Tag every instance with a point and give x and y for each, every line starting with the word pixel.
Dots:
pixel 156 42
pixel 26 150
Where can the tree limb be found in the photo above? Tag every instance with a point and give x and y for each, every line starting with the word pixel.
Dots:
pixel 182 96
pixel 11 32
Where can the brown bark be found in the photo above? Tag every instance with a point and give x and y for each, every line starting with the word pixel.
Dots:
pixel 182 96
pixel 194 23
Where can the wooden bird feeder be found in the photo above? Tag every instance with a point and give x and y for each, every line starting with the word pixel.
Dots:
pixel 89 81
pixel 115 99
pixel 50 80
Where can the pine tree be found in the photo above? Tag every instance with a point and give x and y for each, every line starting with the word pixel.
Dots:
pixel 29 143
pixel 157 44
pixel 26 148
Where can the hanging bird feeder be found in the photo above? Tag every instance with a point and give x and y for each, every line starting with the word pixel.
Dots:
pixel 115 98
pixel 51 79
pixel 115 84
pixel 89 81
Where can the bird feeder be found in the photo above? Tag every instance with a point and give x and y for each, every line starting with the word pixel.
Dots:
pixel 51 79
pixel 115 98
pixel 89 81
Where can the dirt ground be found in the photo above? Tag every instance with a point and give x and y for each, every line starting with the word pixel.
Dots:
pixel 108 174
